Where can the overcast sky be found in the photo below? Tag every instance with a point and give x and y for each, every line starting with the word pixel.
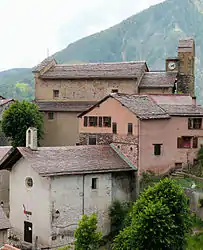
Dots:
pixel 30 27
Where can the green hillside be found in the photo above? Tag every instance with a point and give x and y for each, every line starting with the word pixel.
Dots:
pixel 150 35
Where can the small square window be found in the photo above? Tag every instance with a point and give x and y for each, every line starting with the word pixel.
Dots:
pixel 157 149
pixel 94 183
pixel 130 128
pixel 55 93
pixel 92 140
pixel 114 91
pixel 50 115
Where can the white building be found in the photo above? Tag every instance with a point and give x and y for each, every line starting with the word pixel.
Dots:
pixel 4 226
pixel 50 188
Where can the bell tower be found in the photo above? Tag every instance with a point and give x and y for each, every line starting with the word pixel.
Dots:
pixel 186 72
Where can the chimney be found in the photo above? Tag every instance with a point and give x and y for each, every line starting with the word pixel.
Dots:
pixel 194 100
pixel 31 138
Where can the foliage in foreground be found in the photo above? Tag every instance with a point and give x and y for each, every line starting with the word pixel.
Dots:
pixel 86 235
pixel 118 213
pixel 160 219
pixel 18 118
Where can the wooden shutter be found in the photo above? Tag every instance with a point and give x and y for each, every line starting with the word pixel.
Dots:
pixel 195 142
pixel 190 123
pixel 85 121
pixel 100 121
pixel 179 142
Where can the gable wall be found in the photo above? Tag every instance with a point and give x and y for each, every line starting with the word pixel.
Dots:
pixel 35 199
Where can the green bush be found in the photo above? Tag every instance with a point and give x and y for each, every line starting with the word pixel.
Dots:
pixel 86 235
pixel 160 219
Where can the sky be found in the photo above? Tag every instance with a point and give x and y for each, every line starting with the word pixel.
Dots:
pixel 32 29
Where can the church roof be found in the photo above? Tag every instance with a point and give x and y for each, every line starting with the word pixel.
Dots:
pixel 70 160
pixel 115 70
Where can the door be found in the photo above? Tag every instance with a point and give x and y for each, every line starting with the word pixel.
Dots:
pixel 28 231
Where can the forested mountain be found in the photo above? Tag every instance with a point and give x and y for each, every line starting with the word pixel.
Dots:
pixel 150 35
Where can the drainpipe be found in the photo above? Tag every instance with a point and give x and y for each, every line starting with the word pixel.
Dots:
pixel 83 194
pixel 138 162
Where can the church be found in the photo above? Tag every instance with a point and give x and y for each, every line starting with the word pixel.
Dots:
pixel 63 91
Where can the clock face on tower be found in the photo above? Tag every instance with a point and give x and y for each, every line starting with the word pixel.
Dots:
pixel 171 65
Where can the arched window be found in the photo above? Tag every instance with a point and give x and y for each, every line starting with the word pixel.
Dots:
pixel 29 137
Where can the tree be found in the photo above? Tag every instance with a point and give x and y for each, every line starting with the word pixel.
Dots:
pixel 86 236
pixel 160 219
pixel 118 212
pixel 18 118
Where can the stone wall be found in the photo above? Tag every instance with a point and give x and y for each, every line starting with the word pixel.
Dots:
pixel 101 139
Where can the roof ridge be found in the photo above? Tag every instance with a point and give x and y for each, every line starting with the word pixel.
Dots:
pixel 95 63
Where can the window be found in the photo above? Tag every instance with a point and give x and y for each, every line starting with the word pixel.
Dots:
pixel 29 137
pixel 55 93
pixel 157 149
pixel 92 140
pixel 92 121
pixel 187 142
pixel 94 183
pixel 114 91
pixel 130 128
pixel 50 115
pixel 114 128
pixel 100 121
pixel 107 121
pixel 29 182
pixel 85 121
pixel 194 123
pixel 178 165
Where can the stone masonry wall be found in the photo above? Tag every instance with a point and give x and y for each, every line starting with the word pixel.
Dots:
pixel 102 139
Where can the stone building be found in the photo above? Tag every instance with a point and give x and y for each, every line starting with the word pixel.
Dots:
pixel 62 91
pixel 56 185
pixel 155 132
pixel 4 226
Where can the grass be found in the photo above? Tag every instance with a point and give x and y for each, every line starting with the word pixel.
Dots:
pixel 188 182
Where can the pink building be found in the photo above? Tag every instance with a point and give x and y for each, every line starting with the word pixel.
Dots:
pixel 155 132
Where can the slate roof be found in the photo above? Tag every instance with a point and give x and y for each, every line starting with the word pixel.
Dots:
pixel 141 105
pixel 96 70
pixel 43 64
pixel 4 221
pixel 158 79
pixel 71 106
pixel 4 150
pixel 178 105
pixel 74 160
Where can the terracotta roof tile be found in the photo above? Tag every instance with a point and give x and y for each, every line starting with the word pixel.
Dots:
pixel 74 160
pixel 73 106
pixel 158 79
pixel 96 70
pixel 4 221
